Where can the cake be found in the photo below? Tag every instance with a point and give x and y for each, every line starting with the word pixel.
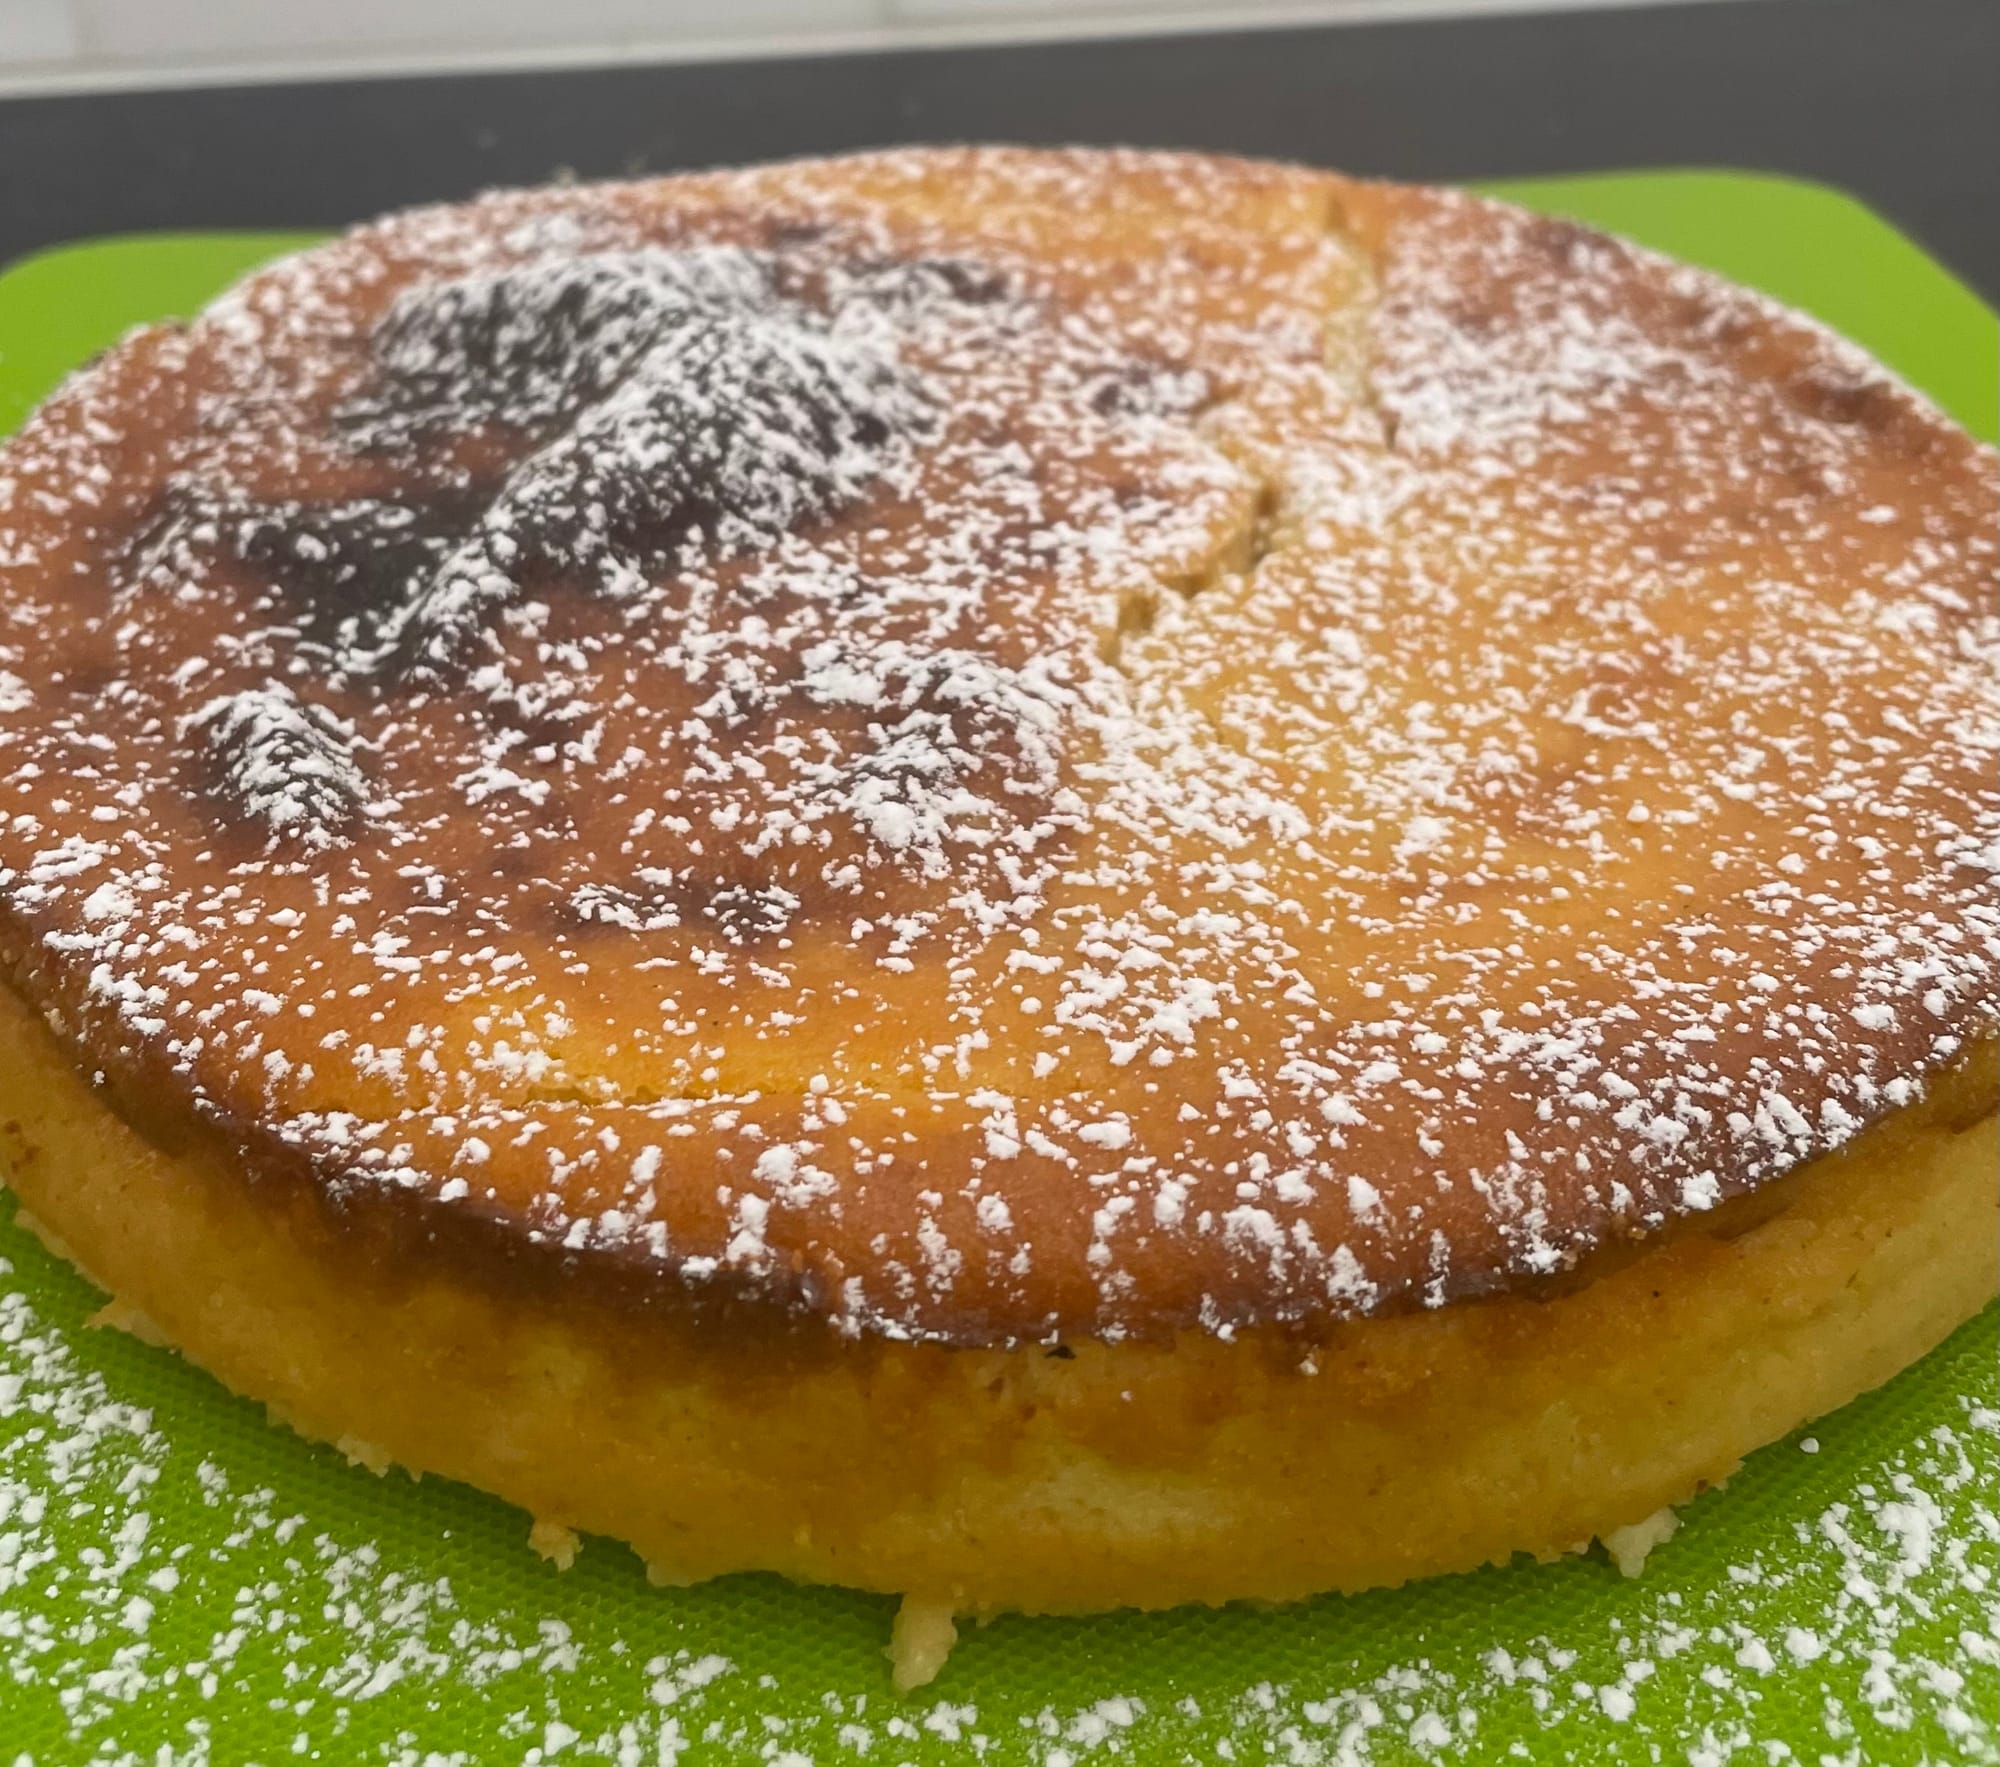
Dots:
pixel 1041 880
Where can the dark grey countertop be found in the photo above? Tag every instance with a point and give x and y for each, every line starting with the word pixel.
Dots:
pixel 1897 101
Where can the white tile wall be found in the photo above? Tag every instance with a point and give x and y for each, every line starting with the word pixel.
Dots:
pixel 136 39
pixel 225 30
pixel 37 31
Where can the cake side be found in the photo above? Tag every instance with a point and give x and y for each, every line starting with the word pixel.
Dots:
pixel 1361 1453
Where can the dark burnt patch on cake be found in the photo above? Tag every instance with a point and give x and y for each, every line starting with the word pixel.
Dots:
pixel 1856 398
pixel 662 901
pixel 1570 245
pixel 788 233
pixel 291 769
pixel 949 737
pixel 529 347
pixel 633 412
pixel 346 564
pixel 334 570
pixel 1865 401
pixel 916 283
pixel 669 402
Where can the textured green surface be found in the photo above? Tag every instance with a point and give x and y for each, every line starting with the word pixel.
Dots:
pixel 181 1582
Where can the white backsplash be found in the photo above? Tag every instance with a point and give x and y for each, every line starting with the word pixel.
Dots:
pixel 127 39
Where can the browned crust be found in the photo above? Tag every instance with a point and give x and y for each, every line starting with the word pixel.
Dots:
pixel 1246 228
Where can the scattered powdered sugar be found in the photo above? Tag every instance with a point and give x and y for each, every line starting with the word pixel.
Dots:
pixel 1330 780
pixel 160 1606
pixel 689 401
pixel 99 1512
pixel 1208 745
pixel 289 765
pixel 531 346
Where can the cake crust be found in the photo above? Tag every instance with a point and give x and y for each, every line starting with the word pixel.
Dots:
pixel 994 747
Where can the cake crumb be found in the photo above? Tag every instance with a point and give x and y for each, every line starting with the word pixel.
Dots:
pixel 1629 1547
pixel 920 1641
pixel 666 1577
pixel 117 1315
pixel 555 1543
pixel 360 1453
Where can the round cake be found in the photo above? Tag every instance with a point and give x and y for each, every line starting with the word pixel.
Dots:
pixel 1046 880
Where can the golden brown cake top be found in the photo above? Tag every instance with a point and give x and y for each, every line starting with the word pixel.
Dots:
pixel 988 745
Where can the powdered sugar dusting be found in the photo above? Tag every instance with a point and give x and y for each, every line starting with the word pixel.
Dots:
pixel 159 1601
pixel 290 766
pixel 1203 744
pixel 692 407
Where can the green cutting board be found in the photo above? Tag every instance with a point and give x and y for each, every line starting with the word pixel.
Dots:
pixel 182 1583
